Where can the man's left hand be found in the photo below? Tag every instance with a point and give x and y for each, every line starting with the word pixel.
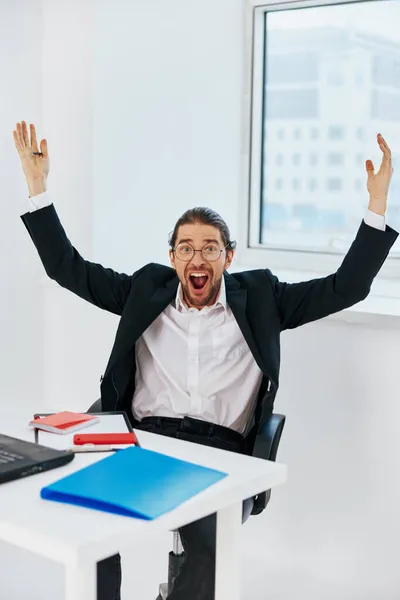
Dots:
pixel 378 184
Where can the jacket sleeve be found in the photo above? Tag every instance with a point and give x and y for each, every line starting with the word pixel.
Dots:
pixel 62 262
pixel 301 303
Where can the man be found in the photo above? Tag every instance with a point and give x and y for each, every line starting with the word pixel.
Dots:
pixel 196 354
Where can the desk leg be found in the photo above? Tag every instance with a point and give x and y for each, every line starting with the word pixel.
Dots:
pixel 81 580
pixel 227 571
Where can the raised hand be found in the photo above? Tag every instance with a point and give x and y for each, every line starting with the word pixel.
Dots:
pixel 378 183
pixel 35 163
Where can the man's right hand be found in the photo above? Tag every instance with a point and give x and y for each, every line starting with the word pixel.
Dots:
pixel 35 163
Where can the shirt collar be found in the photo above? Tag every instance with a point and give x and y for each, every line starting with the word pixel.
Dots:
pixel 220 301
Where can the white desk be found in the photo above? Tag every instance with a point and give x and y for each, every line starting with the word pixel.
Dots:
pixel 77 537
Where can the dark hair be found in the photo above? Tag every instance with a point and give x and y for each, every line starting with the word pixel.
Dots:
pixel 205 216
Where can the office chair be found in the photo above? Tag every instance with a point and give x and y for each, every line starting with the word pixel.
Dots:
pixel 267 448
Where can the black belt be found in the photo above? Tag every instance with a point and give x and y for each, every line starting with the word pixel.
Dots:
pixel 191 426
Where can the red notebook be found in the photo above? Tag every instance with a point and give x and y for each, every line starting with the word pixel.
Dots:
pixel 64 422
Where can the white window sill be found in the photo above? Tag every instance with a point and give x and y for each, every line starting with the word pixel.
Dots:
pixel 374 309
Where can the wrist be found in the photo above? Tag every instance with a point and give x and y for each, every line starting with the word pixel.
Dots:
pixel 377 206
pixel 37 186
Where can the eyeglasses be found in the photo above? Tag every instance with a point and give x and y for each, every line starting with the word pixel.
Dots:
pixel 210 252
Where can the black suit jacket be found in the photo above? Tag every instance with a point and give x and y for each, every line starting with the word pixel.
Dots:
pixel 262 306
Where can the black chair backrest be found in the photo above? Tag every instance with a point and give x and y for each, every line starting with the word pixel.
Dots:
pixel 267 448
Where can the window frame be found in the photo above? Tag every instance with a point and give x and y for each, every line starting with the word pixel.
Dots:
pixel 250 252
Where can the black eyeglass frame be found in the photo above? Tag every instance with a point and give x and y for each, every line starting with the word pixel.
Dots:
pixel 194 251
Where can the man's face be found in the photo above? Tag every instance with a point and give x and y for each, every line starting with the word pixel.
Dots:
pixel 200 278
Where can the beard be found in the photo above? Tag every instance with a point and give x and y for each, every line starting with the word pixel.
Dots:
pixel 209 296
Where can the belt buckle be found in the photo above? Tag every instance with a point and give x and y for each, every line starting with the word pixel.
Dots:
pixel 185 425
pixel 194 428
pixel 198 427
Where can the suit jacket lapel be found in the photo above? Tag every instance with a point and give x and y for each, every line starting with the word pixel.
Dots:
pixel 139 316
pixel 163 296
pixel 236 298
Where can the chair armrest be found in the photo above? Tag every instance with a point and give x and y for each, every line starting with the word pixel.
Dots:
pixel 267 444
pixel 96 407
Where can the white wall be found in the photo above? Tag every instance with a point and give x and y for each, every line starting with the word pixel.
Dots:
pixel 167 116
pixel 21 322
pixel 333 530
pixel 141 108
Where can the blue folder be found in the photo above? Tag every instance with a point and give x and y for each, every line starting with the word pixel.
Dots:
pixel 134 482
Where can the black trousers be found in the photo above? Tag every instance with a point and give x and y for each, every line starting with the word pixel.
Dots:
pixel 196 578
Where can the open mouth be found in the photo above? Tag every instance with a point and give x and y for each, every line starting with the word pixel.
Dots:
pixel 198 281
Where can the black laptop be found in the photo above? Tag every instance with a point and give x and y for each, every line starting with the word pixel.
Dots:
pixel 19 458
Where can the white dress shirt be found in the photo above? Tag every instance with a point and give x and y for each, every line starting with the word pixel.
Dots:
pixel 196 363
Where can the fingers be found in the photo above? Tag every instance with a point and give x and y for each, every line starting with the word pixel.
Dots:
pixel 17 141
pixel 387 154
pixel 20 136
pixel 381 140
pixel 33 138
pixel 370 168
pixel 21 139
pixel 25 134
pixel 43 148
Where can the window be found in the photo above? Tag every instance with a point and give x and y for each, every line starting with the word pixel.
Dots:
pixel 335 158
pixel 359 78
pixel 335 132
pixel 292 104
pixel 360 133
pixel 334 184
pixel 296 183
pixel 327 76
pixel 290 67
pixel 385 106
pixel 385 69
pixel 335 75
